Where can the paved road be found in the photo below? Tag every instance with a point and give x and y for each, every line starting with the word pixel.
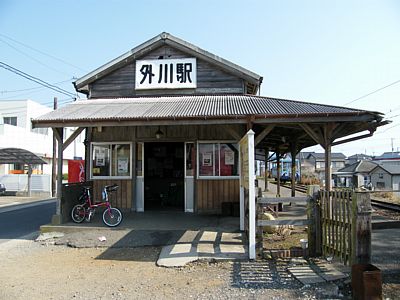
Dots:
pixel 19 221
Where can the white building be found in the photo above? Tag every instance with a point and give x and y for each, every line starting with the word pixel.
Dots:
pixel 16 132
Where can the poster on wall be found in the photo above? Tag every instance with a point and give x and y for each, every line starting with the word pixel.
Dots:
pixel 123 165
pixel 100 158
pixel 207 162
pixel 229 157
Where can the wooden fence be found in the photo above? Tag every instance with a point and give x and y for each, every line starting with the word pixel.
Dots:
pixel 344 229
pixel 336 218
pixel 339 223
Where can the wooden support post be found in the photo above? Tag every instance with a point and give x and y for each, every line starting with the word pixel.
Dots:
pixel 278 178
pixel 266 170
pixel 328 171
pixel 58 132
pixel 314 227
pixel 278 173
pixel 54 161
pixel 293 151
pixel 361 228
pixel 29 179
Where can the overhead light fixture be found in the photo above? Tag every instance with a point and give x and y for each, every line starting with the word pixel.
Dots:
pixel 159 133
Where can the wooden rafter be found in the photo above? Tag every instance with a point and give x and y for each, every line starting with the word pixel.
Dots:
pixel 315 136
pixel 267 130
pixel 72 137
pixel 233 132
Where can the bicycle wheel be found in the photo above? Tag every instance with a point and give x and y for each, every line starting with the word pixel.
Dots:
pixel 78 213
pixel 112 217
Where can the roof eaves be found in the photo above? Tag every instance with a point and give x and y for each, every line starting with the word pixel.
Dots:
pixel 111 65
pixel 179 43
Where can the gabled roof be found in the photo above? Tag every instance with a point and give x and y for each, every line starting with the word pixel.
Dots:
pixel 360 156
pixel 392 169
pixel 388 155
pixel 165 39
pixel 334 155
pixel 362 166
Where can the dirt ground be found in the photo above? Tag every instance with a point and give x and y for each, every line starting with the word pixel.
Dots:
pixel 30 270
pixel 33 270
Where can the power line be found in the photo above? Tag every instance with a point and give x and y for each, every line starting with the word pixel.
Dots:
pixel 35 79
pixel 43 53
pixel 373 92
pixel 33 88
pixel 34 59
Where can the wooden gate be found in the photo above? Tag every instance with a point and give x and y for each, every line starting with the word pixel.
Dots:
pixel 345 227
pixel 336 219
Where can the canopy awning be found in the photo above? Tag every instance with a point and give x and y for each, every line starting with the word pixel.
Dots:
pixel 19 156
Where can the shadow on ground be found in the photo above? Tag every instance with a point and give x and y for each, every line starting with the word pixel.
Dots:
pixel 262 275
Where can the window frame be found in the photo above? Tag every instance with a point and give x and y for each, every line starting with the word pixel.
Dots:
pixel 111 144
pixel 216 177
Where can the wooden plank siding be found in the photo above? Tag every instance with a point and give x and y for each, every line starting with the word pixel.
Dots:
pixel 210 79
pixel 122 198
pixel 211 193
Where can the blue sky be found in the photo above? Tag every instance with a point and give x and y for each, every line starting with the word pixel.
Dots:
pixel 330 52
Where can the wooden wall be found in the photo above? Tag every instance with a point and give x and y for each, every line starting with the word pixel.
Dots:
pixel 210 79
pixel 171 133
pixel 211 193
pixel 122 198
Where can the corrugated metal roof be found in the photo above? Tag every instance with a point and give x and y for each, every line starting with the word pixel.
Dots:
pixel 186 107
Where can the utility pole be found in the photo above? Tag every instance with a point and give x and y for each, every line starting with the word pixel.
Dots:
pixel 392 145
pixel 54 160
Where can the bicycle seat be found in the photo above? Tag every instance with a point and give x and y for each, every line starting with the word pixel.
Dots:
pixel 87 187
pixel 111 188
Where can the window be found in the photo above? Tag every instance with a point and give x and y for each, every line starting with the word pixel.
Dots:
pixel 380 175
pixel 111 160
pixel 320 164
pixel 218 160
pixel 10 120
pixel 337 164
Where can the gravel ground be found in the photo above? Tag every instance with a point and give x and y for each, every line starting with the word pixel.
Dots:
pixel 33 270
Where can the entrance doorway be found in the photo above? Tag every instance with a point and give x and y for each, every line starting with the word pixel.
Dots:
pixel 164 176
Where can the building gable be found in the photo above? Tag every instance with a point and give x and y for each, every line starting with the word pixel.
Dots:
pixel 214 74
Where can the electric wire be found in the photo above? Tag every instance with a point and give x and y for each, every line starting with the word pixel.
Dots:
pixel 42 52
pixel 35 79
pixel 373 92
pixel 34 59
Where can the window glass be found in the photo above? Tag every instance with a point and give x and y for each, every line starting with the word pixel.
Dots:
pixel 101 160
pixel 121 160
pixel 229 158
pixel 218 159
pixel 190 159
pixel 206 159
pixel 10 120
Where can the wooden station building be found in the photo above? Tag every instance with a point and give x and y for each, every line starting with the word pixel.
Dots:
pixel 164 121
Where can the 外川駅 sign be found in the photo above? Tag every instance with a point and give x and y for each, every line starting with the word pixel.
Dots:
pixel 166 74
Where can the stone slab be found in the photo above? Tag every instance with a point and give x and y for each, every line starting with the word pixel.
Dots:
pixel 171 257
pixel 232 237
pixel 328 272
pixel 208 236
pixel 305 275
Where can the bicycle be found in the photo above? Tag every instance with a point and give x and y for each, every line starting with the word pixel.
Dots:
pixel 111 216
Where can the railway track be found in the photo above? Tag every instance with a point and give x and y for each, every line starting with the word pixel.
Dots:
pixel 385 205
pixel 299 187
